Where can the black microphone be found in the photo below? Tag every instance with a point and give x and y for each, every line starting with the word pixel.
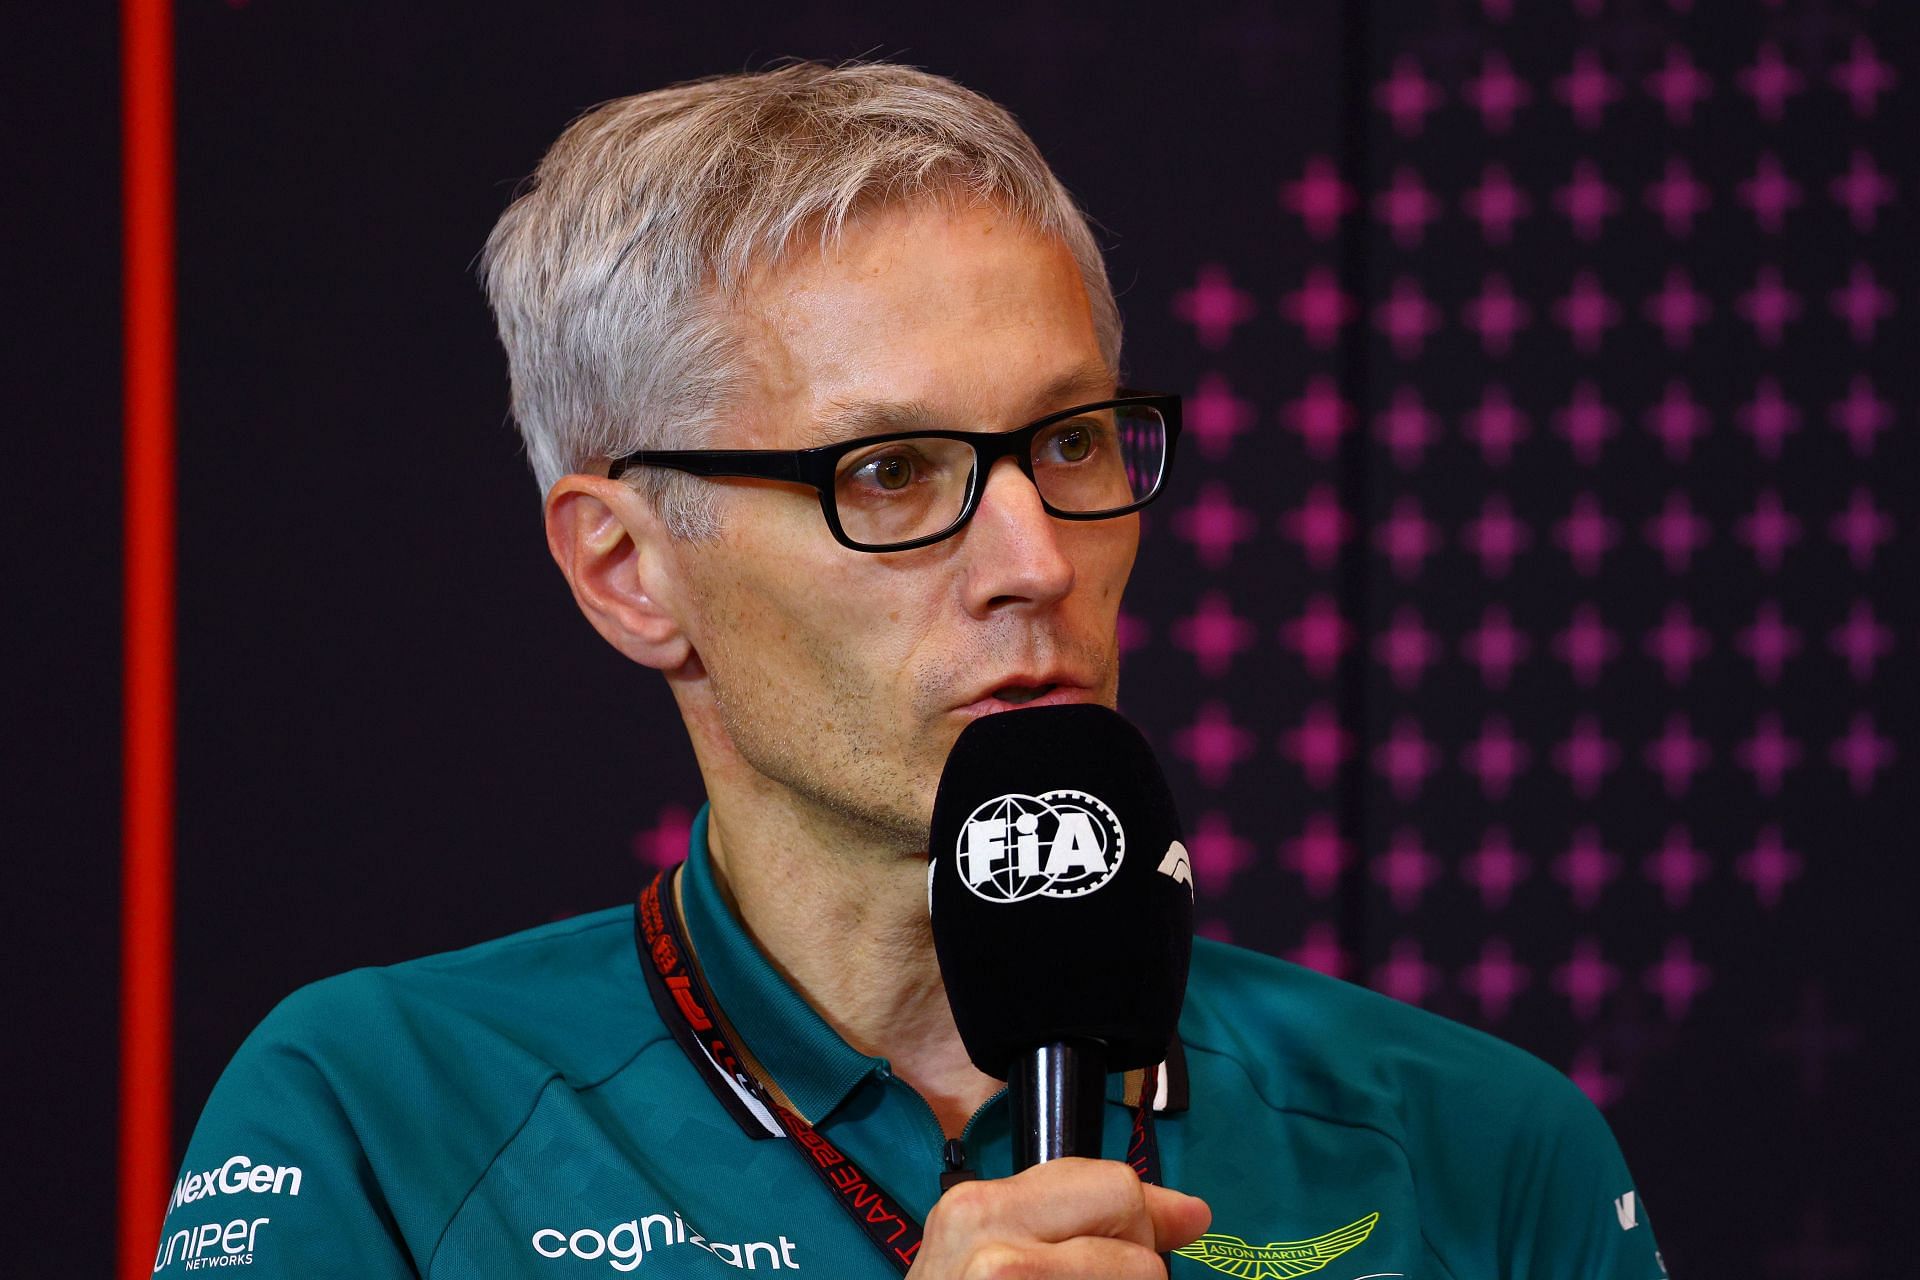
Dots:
pixel 1062 905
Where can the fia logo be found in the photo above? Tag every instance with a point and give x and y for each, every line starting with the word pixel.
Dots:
pixel 1058 844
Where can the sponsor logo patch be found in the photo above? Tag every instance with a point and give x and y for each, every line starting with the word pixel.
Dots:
pixel 1058 844
pixel 626 1244
pixel 1280 1260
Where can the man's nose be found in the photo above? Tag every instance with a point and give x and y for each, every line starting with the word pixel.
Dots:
pixel 1013 546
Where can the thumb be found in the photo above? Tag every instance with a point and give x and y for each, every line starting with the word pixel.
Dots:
pixel 1178 1218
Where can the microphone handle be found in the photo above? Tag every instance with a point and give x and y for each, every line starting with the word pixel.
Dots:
pixel 1057 1093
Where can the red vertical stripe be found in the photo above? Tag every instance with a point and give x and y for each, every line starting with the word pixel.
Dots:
pixel 146 928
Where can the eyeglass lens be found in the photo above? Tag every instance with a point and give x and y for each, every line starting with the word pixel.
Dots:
pixel 1101 461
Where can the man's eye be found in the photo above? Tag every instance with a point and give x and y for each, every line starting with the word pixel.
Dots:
pixel 891 472
pixel 1073 442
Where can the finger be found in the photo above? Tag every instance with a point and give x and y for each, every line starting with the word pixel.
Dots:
pixel 1178 1218
pixel 1081 1258
pixel 1052 1202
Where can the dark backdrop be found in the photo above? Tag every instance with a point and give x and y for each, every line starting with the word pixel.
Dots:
pixel 1530 633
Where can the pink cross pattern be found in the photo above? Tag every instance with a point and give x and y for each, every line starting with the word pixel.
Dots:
pixel 1407 317
pixel 1407 538
pixel 1320 951
pixel 1678 197
pixel 1406 647
pixel 1861 190
pixel 1586 979
pixel 1863 415
pixel 1406 869
pixel 1769 867
pixel 1408 97
pixel 1496 757
pixel 1586 868
pixel 1862 528
pixel 1319 855
pixel 1496 93
pixel 1406 758
pixel 1495 647
pixel 1496 536
pixel 1769 306
pixel 1215 524
pixel 1586 646
pixel 1770 643
pixel 1586 200
pixel 1407 427
pixel 1405 975
pixel 1862 77
pixel 1320 307
pixel 1862 303
pixel 1214 306
pixel 1862 753
pixel 1586 755
pixel 1496 979
pixel 1768 530
pixel 1678 980
pixel 1218 854
pixel 664 843
pixel 1497 10
pixel 1319 414
pixel 1677 754
pixel 1676 644
pixel 1496 425
pixel 1770 81
pixel 1320 525
pixel 1587 89
pixel 1215 416
pixel 1770 193
pixel 1769 754
pixel 1213 744
pixel 1496 204
pixel 1496 868
pixel 1862 640
pixel 1134 632
pixel 1676 867
pixel 1677 532
pixel 1587 534
pixel 1406 207
pixel 1587 312
pixel 1320 196
pixel 1586 421
pixel 1214 634
pixel 1769 417
pixel 1602 1087
pixel 1496 315
pixel 1679 85
pixel 1319 744
pixel 1319 635
pixel 1678 309
pixel 1678 419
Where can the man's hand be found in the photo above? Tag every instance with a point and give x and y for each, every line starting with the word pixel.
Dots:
pixel 1069 1219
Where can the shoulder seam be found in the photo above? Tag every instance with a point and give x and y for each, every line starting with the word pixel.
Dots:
pixel 1432 1249
pixel 546 1083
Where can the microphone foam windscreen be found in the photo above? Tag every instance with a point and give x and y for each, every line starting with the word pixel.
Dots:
pixel 1062 899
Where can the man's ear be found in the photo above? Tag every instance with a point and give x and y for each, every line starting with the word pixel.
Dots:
pixel 616 555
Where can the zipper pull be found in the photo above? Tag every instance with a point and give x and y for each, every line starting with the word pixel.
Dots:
pixel 954 1156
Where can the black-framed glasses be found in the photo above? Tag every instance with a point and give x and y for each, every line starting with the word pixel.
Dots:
pixel 905 490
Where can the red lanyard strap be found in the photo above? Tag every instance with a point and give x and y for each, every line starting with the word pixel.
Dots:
pixel 692 1016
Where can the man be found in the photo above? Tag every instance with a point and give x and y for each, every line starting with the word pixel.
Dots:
pixel 700 285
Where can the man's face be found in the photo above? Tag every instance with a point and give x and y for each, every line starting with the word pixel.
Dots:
pixel 843 677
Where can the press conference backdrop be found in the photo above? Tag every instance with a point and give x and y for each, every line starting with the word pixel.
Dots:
pixel 1529 634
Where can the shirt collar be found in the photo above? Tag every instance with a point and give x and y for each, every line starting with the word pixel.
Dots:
pixel 802 1056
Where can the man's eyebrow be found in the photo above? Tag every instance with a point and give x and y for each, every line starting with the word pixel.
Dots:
pixel 852 419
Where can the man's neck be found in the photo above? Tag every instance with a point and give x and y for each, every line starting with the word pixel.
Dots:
pixel 847 928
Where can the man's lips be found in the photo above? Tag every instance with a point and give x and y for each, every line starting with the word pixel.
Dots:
pixel 1011 695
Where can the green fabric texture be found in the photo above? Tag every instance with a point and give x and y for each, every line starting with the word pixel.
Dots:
pixel 518 1109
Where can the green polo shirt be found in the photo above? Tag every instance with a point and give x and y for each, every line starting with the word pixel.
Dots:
pixel 519 1109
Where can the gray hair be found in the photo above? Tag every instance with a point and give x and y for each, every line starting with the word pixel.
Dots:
pixel 612 273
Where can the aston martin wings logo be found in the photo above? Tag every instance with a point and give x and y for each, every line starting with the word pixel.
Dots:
pixel 1277 1261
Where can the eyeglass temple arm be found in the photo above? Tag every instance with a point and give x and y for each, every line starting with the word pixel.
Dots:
pixel 757 464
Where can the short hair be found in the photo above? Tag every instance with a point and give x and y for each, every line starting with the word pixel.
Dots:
pixel 612 272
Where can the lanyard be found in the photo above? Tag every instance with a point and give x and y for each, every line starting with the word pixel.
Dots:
pixel 693 1017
